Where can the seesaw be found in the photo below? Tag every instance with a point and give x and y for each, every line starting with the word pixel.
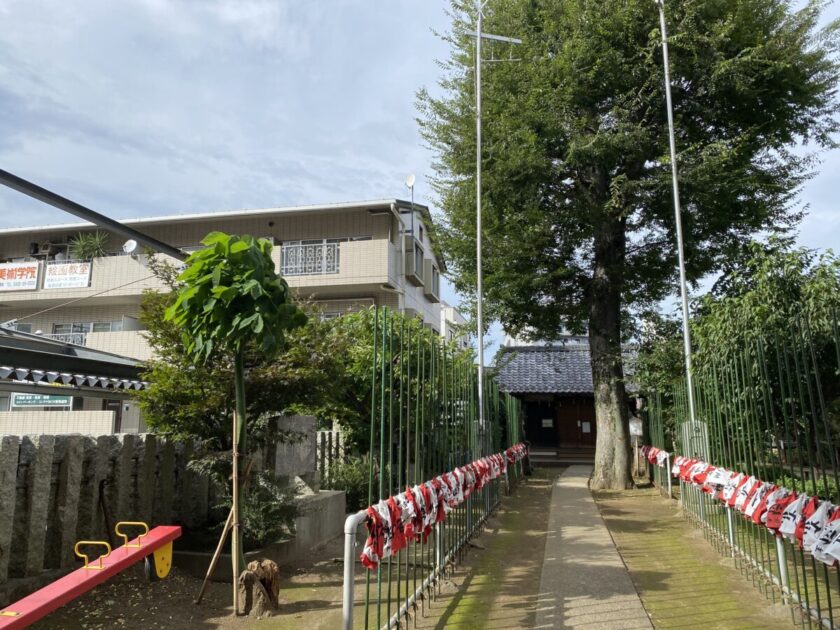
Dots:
pixel 154 547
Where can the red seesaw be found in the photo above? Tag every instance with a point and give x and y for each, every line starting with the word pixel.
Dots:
pixel 155 547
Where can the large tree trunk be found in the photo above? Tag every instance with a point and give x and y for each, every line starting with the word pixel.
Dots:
pixel 612 448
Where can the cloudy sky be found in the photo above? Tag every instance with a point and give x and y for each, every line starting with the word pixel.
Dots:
pixel 143 107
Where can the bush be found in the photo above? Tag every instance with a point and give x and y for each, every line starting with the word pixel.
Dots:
pixel 352 477
pixel 268 510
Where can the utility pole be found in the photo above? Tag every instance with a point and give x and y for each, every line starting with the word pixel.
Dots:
pixel 677 213
pixel 479 302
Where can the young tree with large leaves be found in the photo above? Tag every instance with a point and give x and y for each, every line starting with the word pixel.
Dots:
pixel 230 300
pixel 576 174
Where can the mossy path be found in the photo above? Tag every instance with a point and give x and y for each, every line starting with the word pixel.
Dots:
pixel 682 580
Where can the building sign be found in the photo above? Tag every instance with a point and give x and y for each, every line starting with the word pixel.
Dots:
pixel 19 276
pixel 41 400
pixel 67 275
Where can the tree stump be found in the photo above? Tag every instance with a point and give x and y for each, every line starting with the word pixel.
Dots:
pixel 259 589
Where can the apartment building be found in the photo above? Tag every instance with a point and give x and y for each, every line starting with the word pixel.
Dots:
pixel 343 257
pixel 453 326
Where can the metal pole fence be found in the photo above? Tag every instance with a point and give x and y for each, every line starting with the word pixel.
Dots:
pixel 768 406
pixel 424 423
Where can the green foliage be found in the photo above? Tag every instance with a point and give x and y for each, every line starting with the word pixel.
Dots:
pixel 774 288
pixel 187 400
pixel 268 510
pixel 232 296
pixel 88 245
pixel 576 170
pixel 659 357
pixel 351 405
pixel 351 476
pixel 765 295
pixel 825 487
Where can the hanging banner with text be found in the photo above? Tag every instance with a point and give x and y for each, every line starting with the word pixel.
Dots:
pixel 19 276
pixel 67 275
pixel 41 400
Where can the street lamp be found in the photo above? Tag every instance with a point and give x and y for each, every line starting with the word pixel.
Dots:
pixel 479 314
pixel 677 211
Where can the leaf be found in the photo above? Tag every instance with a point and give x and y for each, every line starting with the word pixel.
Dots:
pixel 238 247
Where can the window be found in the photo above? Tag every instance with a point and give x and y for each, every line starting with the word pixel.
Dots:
pixel 418 260
pixel 24 328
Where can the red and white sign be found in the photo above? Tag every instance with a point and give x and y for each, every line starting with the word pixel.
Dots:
pixel 20 276
pixel 67 275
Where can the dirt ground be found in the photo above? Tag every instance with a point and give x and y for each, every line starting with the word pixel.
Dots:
pixel 496 586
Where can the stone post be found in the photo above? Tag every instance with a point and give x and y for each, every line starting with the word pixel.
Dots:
pixel 38 489
pixel 165 483
pixel 69 450
pixel 146 462
pixel 9 449
pixel 123 469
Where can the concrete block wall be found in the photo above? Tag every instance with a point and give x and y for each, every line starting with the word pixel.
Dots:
pixel 53 489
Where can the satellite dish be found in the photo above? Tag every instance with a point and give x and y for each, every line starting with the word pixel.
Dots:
pixel 409 181
pixel 130 246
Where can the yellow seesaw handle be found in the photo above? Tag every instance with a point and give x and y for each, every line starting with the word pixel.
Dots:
pixel 97 543
pixel 125 536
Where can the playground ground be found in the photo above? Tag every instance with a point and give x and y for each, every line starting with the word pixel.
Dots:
pixel 675 576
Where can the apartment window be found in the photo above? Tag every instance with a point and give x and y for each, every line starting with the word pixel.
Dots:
pixel 314 256
pixel 435 280
pixel 24 328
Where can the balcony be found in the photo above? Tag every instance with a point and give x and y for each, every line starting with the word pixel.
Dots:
pixel 336 267
pixel 309 260
pixel 110 277
pixel 76 338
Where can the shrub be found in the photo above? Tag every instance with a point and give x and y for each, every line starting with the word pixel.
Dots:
pixel 268 510
pixel 352 477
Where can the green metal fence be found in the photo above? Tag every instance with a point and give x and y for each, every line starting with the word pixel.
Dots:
pixel 425 422
pixel 768 406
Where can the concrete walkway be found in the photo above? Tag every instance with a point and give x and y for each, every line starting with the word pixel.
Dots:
pixel 584 583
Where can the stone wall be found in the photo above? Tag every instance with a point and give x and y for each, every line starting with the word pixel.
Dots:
pixel 57 489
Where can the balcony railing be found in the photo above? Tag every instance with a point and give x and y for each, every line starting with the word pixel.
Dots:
pixel 314 259
pixel 76 338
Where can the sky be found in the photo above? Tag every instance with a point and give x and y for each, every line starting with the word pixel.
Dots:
pixel 146 107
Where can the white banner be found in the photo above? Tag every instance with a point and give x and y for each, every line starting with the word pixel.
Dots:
pixel 19 276
pixel 67 275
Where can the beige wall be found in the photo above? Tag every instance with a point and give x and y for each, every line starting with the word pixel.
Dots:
pixel 56 422
pixel 129 343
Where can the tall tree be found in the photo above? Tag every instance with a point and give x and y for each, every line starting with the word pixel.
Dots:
pixel 577 198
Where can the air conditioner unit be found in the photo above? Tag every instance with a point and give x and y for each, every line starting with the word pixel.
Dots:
pixel 48 247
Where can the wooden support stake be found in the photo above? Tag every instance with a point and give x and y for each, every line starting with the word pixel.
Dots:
pixel 215 558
